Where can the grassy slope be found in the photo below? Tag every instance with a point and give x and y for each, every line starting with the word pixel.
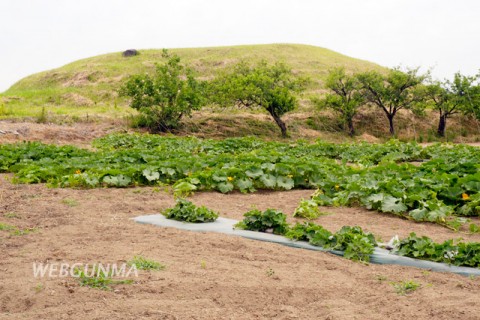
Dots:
pixel 89 85
pixel 86 90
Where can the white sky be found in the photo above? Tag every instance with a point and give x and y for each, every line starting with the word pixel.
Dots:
pixel 37 35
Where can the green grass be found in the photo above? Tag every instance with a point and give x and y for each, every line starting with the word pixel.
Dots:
pixel 99 279
pixel 70 202
pixel 142 263
pixel 23 232
pixel 87 91
pixel 405 287
pixel 16 231
pixel 90 85
pixel 11 215
pixel 6 227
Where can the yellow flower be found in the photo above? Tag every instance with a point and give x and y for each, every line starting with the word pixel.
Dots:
pixel 230 178
pixel 337 187
pixel 78 172
pixel 465 196
pixel 290 176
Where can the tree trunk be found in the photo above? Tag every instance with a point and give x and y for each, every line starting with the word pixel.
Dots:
pixel 351 130
pixel 280 124
pixel 442 125
pixel 390 122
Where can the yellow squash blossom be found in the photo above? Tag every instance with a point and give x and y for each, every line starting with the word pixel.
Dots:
pixel 465 196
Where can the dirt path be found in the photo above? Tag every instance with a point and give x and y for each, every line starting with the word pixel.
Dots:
pixel 207 276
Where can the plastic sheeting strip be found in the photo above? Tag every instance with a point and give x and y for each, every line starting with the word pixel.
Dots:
pixel 225 226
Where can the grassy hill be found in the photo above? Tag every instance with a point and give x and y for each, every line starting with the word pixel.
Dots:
pixel 86 91
pixel 89 86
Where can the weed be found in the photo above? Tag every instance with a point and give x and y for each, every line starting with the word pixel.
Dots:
pixel 15 231
pixel 22 232
pixel 100 279
pixel 6 227
pixel 405 287
pixel 70 202
pixel 203 264
pixel 270 272
pixel 426 272
pixel 11 215
pixel 381 277
pixel 38 288
pixel 146 264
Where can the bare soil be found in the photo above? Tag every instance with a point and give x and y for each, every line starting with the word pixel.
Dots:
pixel 207 275
pixel 79 134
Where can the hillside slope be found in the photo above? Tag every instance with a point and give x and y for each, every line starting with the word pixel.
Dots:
pixel 90 85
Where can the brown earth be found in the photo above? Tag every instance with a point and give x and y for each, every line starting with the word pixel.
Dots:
pixel 79 134
pixel 207 275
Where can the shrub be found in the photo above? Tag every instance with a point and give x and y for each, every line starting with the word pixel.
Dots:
pixel 186 211
pixel 164 98
pixel 307 209
pixel 270 219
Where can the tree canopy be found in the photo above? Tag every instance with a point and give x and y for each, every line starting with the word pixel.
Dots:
pixel 270 87
pixel 164 98
pixel 391 92
pixel 451 97
pixel 346 97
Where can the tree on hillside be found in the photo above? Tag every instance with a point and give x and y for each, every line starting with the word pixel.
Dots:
pixel 164 98
pixel 391 92
pixel 346 97
pixel 451 97
pixel 472 96
pixel 270 87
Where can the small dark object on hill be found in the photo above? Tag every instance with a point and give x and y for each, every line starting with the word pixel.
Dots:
pixel 130 53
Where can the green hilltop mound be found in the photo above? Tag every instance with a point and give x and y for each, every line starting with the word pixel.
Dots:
pixel 90 85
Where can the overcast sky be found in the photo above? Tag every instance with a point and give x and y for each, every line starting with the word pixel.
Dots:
pixel 37 35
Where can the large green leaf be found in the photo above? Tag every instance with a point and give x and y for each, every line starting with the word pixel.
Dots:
pixel 254 173
pixel 225 187
pixel 392 204
pixel 268 166
pixel 419 214
pixel 286 183
pixel 151 175
pixel 219 176
pixel 374 201
pixel 268 180
pixel 117 181
pixel 244 184
pixel 168 171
